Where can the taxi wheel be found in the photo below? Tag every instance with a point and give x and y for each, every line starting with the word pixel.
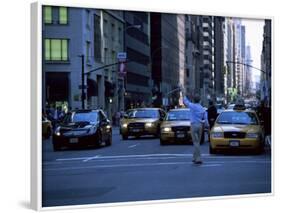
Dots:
pixel 109 141
pixel 99 140
pixel 162 142
pixel 56 147
pixel 48 134
pixel 125 137
pixel 212 151
pixel 259 150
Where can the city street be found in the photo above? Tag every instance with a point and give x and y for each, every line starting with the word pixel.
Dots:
pixel 142 170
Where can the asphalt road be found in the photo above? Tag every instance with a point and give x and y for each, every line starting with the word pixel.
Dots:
pixel 142 170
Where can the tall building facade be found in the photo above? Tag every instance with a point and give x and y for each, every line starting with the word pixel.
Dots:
pixel 194 54
pixel 167 57
pixel 68 33
pixel 219 68
pixel 207 89
pixel 266 64
pixel 108 42
pixel 248 71
pixel 137 46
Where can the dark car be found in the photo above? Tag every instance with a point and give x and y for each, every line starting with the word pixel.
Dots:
pixel 83 128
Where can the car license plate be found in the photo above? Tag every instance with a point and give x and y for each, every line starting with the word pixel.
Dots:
pixel 73 140
pixel 181 135
pixel 136 130
pixel 234 143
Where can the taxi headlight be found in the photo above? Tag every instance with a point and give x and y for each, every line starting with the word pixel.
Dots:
pixel 57 131
pixel 252 135
pixel 124 125
pixel 148 124
pixel 217 135
pixel 92 130
pixel 167 129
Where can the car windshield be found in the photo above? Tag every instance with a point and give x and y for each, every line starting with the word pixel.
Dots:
pixel 246 118
pixel 178 115
pixel 143 114
pixel 90 117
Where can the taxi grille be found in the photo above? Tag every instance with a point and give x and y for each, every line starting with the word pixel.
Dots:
pixel 234 134
pixel 180 128
pixel 136 125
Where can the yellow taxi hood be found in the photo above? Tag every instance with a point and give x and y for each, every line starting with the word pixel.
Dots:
pixel 142 120
pixel 175 123
pixel 235 128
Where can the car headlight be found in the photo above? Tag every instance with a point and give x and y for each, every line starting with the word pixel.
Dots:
pixel 57 131
pixel 124 125
pixel 148 124
pixel 167 129
pixel 108 126
pixel 217 135
pixel 252 135
pixel 92 130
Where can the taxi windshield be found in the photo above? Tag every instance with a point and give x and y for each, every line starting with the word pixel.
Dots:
pixel 178 115
pixel 143 114
pixel 244 118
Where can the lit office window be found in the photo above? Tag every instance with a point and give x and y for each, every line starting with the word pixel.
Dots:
pixel 47 50
pixel 48 15
pixel 63 16
pixel 56 49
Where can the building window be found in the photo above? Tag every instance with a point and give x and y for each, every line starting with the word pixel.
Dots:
pixel 88 51
pixel 88 19
pixel 113 32
pixel 63 15
pixel 56 49
pixel 48 15
pixel 120 35
pixel 105 28
pixel 97 38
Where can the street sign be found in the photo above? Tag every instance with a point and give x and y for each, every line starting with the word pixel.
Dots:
pixel 122 56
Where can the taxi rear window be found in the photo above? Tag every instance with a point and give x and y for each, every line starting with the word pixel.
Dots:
pixel 247 118
pixel 178 115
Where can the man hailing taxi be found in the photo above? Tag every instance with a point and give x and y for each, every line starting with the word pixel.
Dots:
pixel 198 119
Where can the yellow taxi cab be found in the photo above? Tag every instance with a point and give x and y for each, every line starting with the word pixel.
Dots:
pixel 46 127
pixel 141 121
pixel 237 128
pixel 176 127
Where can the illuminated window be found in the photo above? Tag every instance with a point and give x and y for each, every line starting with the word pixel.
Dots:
pixel 63 16
pixel 56 49
pixel 48 15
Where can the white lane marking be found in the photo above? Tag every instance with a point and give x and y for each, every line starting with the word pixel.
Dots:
pixel 147 156
pixel 133 146
pixel 211 164
pixel 91 158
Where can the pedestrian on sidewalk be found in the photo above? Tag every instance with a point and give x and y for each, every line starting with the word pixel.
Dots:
pixel 198 119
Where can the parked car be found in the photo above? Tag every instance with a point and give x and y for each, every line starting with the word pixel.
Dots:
pixel 142 121
pixel 238 128
pixel 176 127
pixel 83 128
pixel 46 127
